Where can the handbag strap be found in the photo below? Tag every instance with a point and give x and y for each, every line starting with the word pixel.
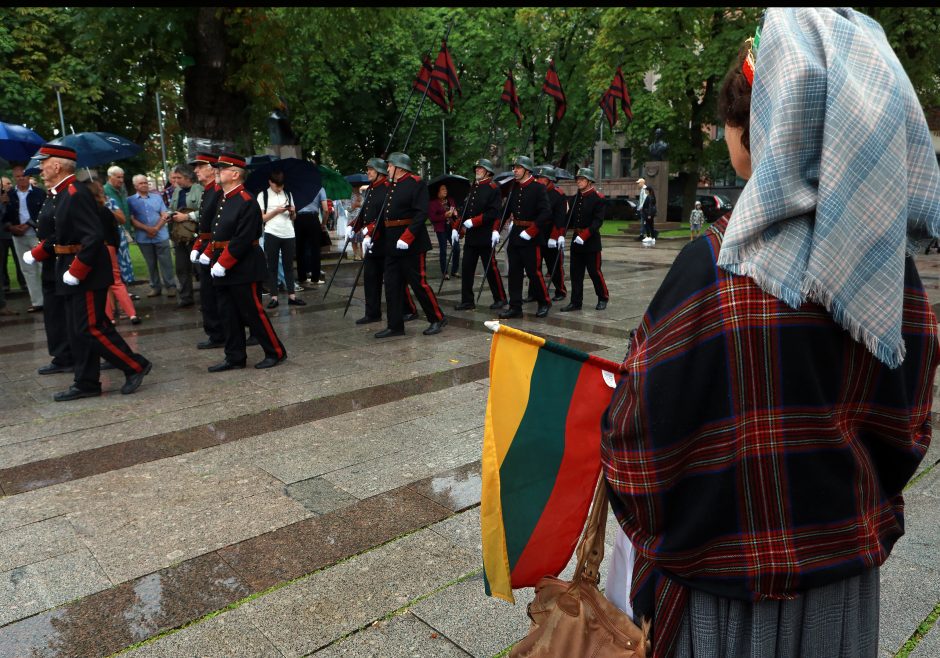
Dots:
pixel 591 546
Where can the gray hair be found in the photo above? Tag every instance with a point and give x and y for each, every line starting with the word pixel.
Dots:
pixel 67 165
pixel 242 173
pixel 139 177
pixel 114 170
pixel 184 170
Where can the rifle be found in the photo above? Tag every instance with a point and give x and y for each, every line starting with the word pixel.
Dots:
pixel 561 250
pixel 493 251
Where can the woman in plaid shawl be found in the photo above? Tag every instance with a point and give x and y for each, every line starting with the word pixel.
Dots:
pixel 760 516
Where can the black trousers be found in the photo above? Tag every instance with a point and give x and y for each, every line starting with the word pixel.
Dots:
pixel 94 338
pixel 549 256
pixel 184 270
pixel 526 260
pixel 240 306
pixel 6 248
pixel 471 255
pixel 590 261
pixel 408 269
pixel 54 317
pixel 373 272
pixel 307 228
pixel 283 247
pixel 209 305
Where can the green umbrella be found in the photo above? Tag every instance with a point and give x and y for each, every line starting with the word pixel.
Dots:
pixel 336 186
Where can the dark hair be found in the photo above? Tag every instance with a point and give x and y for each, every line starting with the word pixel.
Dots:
pixel 734 99
pixel 277 177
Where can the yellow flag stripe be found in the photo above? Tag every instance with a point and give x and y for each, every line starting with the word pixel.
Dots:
pixel 512 359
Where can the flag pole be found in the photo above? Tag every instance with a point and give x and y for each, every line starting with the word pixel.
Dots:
pixel 401 115
pixel 423 96
pixel 493 251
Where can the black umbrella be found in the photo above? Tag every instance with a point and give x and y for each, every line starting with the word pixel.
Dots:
pixel 357 179
pixel 503 179
pixel 301 179
pixel 457 187
pixel 255 161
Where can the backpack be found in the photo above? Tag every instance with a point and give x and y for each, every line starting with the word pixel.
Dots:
pixel 290 201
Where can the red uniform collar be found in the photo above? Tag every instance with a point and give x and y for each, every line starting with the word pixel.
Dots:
pixel 210 186
pixel 527 181
pixel 235 190
pixel 379 180
pixel 590 190
pixel 62 184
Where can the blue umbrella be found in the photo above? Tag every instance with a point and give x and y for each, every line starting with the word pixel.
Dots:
pixel 97 148
pixel 357 179
pixel 301 179
pixel 18 143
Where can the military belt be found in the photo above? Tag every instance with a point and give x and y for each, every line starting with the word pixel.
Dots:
pixel 394 223
pixel 223 245
pixel 61 249
pixel 523 223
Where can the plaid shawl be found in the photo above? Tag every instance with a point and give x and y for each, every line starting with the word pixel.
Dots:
pixel 845 182
pixel 785 472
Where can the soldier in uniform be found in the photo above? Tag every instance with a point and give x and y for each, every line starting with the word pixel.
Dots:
pixel 373 245
pixel 53 307
pixel 555 246
pixel 83 275
pixel 208 303
pixel 406 245
pixel 587 217
pixel 238 267
pixel 528 204
pixel 482 214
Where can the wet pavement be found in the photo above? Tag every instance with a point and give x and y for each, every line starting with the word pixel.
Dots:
pixel 325 507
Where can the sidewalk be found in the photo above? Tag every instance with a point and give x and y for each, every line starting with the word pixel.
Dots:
pixel 327 507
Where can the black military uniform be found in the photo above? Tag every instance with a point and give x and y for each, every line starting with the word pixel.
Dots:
pixel 406 212
pixel 83 275
pixel 531 213
pixel 586 220
pixel 208 301
pixel 238 268
pixel 53 307
pixel 558 203
pixel 373 266
pixel 482 209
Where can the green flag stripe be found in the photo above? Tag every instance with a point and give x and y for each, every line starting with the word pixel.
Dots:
pixel 528 472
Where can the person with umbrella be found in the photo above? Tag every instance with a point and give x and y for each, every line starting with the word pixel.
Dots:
pixel 479 227
pixel 442 212
pixel 238 268
pixel 84 273
pixel 528 204
pixel 406 244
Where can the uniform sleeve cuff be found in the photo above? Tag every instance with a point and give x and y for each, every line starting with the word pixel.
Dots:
pixel 79 270
pixel 478 220
pixel 227 260
pixel 38 252
pixel 585 234
pixel 407 236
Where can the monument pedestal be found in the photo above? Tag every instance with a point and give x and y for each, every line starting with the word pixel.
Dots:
pixel 656 173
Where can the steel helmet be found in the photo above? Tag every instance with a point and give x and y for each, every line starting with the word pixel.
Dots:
pixel 400 160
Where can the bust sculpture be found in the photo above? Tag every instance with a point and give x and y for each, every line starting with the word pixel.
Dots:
pixel 659 149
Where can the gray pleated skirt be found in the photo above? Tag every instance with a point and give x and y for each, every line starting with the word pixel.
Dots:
pixel 840 619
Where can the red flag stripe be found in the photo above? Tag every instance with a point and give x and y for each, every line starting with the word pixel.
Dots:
pixel 608 105
pixel 552 87
pixel 618 88
pixel 511 98
pixel 445 71
pixel 433 87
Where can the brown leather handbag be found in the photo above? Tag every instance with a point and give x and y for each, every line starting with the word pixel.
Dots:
pixel 573 618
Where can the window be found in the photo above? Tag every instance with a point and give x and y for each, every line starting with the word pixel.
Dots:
pixel 625 156
pixel 606 163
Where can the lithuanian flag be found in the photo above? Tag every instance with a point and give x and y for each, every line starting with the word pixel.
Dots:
pixel 541 455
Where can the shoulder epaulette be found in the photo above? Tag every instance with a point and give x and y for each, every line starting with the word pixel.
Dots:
pixel 599 195
pixel 72 189
pixel 494 185
pixel 246 196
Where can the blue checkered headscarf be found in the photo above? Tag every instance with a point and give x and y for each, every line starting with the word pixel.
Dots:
pixel 844 183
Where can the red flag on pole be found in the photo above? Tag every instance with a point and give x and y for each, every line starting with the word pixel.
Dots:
pixel 618 88
pixel 509 96
pixel 445 71
pixel 609 106
pixel 426 81
pixel 552 87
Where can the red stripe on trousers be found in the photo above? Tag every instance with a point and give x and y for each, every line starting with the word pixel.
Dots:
pixel 538 272
pixel 429 292
pixel 499 280
pixel 266 323
pixel 601 275
pixel 409 302
pixel 101 338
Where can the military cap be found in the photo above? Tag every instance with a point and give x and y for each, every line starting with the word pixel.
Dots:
pixel 584 172
pixel 379 165
pixel 486 164
pixel 546 171
pixel 203 157
pixel 400 160
pixel 55 151
pixel 524 161
pixel 229 160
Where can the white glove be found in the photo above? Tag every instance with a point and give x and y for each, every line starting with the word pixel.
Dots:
pixel 366 244
pixel 495 238
pixel 349 232
pixel 69 279
pixel 578 240
pixel 525 235
pixel 561 241
pixel 217 270
pixel 365 230
pixel 204 260
pixel 552 243
pixel 468 223
pixel 510 227
pixel 193 255
pixel 401 244
pixel 28 258
pixel 455 236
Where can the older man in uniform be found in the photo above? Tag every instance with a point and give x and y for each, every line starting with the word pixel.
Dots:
pixel 528 204
pixel 84 274
pixel 587 217
pixel 555 245
pixel 208 301
pixel 238 267
pixel 481 213
pixel 373 244
pixel 406 245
